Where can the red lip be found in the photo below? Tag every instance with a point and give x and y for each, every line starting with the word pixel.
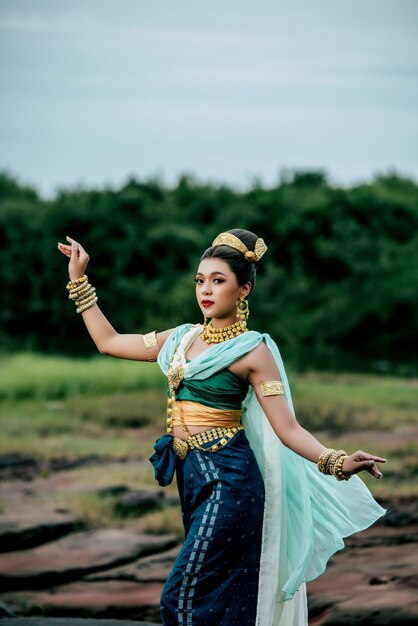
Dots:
pixel 206 302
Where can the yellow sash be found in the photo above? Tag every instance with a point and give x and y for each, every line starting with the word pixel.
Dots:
pixel 197 414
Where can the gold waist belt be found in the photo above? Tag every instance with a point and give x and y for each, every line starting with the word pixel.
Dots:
pixel 181 447
pixel 197 414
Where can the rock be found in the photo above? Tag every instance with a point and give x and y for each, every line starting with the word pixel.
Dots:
pixel 74 556
pixel 27 526
pixel 402 513
pixel 106 599
pixel 172 501
pixel 18 466
pixel 6 611
pixel 139 501
pixel 71 621
pixel 383 536
pixel 27 468
pixel 153 568
pixel 384 612
pixel 367 585
pixel 318 603
pixel 110 490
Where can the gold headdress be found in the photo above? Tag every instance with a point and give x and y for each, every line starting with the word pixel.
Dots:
pixel 228 239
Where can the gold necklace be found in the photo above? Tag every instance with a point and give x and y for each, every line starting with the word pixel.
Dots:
pixel 217 335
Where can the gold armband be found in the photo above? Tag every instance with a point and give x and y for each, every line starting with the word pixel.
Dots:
pixel 272 388
pixel 150 340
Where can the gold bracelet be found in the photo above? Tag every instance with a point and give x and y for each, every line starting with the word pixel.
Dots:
pixel 338 472
pixel 86 297
pixel 323 458
pixel 76 293
pixel 84 307
pixel 86 300
pixel 74 283
pixel 333 460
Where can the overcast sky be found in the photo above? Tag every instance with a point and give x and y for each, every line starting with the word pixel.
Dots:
pixel 93 91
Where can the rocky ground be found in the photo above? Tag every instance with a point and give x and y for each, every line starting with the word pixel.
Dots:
pixel 56 571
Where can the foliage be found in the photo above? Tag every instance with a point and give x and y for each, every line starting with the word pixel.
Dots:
pixel 338 282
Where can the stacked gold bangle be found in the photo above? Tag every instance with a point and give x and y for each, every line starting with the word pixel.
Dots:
pixel 82 292
pixel 331 461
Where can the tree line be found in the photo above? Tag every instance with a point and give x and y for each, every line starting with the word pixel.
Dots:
pixel 337 287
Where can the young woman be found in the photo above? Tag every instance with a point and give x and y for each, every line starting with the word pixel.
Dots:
pixel 260 519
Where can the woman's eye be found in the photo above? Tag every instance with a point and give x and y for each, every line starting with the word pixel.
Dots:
pixel 200 280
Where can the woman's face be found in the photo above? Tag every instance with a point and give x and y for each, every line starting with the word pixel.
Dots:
pixel 217 289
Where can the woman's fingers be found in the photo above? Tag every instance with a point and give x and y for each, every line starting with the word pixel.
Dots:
pixel 74 249
pixel 360 461
pixel 64 248
pixel 365 456
pixel 371 467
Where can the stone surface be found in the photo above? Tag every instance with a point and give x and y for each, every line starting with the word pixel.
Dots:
pixel 154 568
pixel 110 599
pixel 371 611
pixel 138 501
pixel 71 621
pixel 27 468
pixel 26 526
pixel 80 553
pixel 373 583
pixel 113 574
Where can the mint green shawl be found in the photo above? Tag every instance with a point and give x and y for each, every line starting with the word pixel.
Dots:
pixel 306 513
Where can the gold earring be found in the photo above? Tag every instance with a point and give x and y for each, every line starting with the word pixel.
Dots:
pixel 243 309
pixel 205 323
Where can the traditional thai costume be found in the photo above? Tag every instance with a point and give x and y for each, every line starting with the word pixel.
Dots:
pixel 260 520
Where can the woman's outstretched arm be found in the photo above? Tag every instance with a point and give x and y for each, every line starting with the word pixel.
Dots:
pixel 262 367
pixel 106 338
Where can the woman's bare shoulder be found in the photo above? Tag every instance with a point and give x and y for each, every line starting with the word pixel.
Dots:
pixel 259 354
pixel 257 359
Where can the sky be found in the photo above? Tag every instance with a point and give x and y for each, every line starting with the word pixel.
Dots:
pixel 96 91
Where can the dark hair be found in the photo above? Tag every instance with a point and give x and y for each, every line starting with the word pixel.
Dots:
pixel 243 270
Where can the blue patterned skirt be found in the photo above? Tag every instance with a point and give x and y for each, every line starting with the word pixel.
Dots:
pixel 214 580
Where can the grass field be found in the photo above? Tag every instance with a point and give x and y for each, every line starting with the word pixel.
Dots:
pixel 62 407
pixel 39 377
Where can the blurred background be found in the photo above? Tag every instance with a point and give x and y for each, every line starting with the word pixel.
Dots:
pixel 143 130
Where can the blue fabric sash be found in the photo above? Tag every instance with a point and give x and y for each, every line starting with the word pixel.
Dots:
pixel 164 460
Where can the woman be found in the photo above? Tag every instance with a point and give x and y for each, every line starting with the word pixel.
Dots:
pixel 260 519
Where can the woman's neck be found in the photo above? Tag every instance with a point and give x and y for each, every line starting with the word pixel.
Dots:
pixel 222 322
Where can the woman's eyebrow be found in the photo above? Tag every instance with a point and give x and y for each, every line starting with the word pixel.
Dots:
pixel 211 274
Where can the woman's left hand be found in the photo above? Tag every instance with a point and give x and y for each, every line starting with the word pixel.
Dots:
pixel 360 461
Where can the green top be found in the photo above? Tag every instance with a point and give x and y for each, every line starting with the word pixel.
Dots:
pixel 221 390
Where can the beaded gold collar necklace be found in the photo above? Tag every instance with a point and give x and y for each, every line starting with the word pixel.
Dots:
pixel 217 335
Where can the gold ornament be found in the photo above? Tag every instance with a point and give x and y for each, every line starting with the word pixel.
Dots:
pixel 217 335
pixel 228 239
pixel 272 388
pixel 175 375
pixel 180 447
pixel 150 340
pixel 243 310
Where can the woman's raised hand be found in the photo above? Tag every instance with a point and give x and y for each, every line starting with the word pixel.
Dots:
pixel 360 461
pixel 78 258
